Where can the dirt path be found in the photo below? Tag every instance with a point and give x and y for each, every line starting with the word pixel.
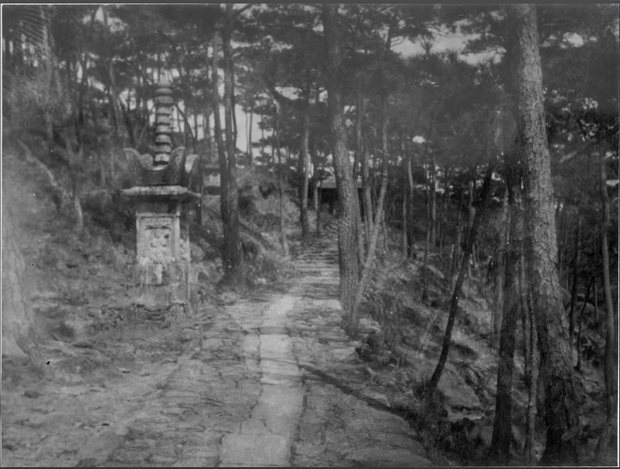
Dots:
pixel 270 380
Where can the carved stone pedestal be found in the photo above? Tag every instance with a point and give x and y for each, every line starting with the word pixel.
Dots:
pixel 162 254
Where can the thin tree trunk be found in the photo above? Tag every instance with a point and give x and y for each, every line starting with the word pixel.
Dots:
pixel 502 426
pixel 373 241
pixel 541 248
pixel 611 357
pixel 317 205
pixel 583 308
pixel 405 244
pixel 231 252
pixel 574 290
pixel 361 232
pixel 456 249
pixel 596 318
pixel 433 201
pixel 559 216
pixel 347 193
pixel 219 140
pixel 444 215
pixel 470 210
pixel 231 235
pixel 304 163
pixel 250 129
pixel 316 194
pixel 426 249
pixel 212 141
pixel 496 317
pixel 283 242
pixel 454 303
pixel 384 154
pixel 410 237
pixel 531 367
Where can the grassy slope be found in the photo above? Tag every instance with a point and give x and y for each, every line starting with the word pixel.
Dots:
pixel 460 427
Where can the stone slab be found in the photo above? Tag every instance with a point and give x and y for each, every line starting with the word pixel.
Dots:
pixel 255 450
pixel 254 427
pixel 375 457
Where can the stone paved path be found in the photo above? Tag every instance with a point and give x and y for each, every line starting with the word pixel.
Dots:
pixel 272 380
pixel 266 436
pixel 316 406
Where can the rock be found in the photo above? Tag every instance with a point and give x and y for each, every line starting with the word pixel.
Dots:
pixel 196 252
pixel 341 354
pixel 458 394
pixel 99 449
pixel 212 343
pixel 83 344
pixel 32 394
pixel 367 325
pixel 438 273
pixel 379 397
pixel 228 298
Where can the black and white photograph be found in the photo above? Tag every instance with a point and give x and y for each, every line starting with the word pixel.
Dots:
pixel 310 234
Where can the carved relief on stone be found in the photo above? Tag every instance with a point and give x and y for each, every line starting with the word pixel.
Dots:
pixel 156 243
pixel 160 243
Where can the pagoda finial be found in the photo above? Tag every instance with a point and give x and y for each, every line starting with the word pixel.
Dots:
pixel 163 127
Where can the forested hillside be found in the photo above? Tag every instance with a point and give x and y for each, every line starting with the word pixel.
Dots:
pixel 465 158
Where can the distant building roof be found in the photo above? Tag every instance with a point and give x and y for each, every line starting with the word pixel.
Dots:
pixel 330 183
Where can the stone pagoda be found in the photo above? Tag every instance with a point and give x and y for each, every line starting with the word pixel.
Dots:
pixel 161 187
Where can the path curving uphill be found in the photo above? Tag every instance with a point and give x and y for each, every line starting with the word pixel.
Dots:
pixel 316 405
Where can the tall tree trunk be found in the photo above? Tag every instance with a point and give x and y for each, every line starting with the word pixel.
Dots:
pixel 454 303
pixel 232 241
pixel 283 242
pixel 366 271
pixel 498 275
pixel 502 426
pixel 347 193
pixel 456 248
pixel 366 184
pixel 317 206
pixel 433 221
pixel 359 144
pixel 304 163
pixel 212 141
pixel 380 210
pixel 574 290
pixel 531 365
pixel 230 251
pixel 611 347
pixel 218 137
pixel 410 225
pixel 470 210
pixel 250 129
pixel 427 242
pixel 444 214
pixel 316 187
pixel 583 308
pixel 596 319
pixel 405 244
pixel 541 248
pixel 49 64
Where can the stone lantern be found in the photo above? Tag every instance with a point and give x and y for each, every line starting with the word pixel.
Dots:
pixel 161 187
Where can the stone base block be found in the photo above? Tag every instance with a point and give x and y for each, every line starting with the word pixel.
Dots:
pixel 147 273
